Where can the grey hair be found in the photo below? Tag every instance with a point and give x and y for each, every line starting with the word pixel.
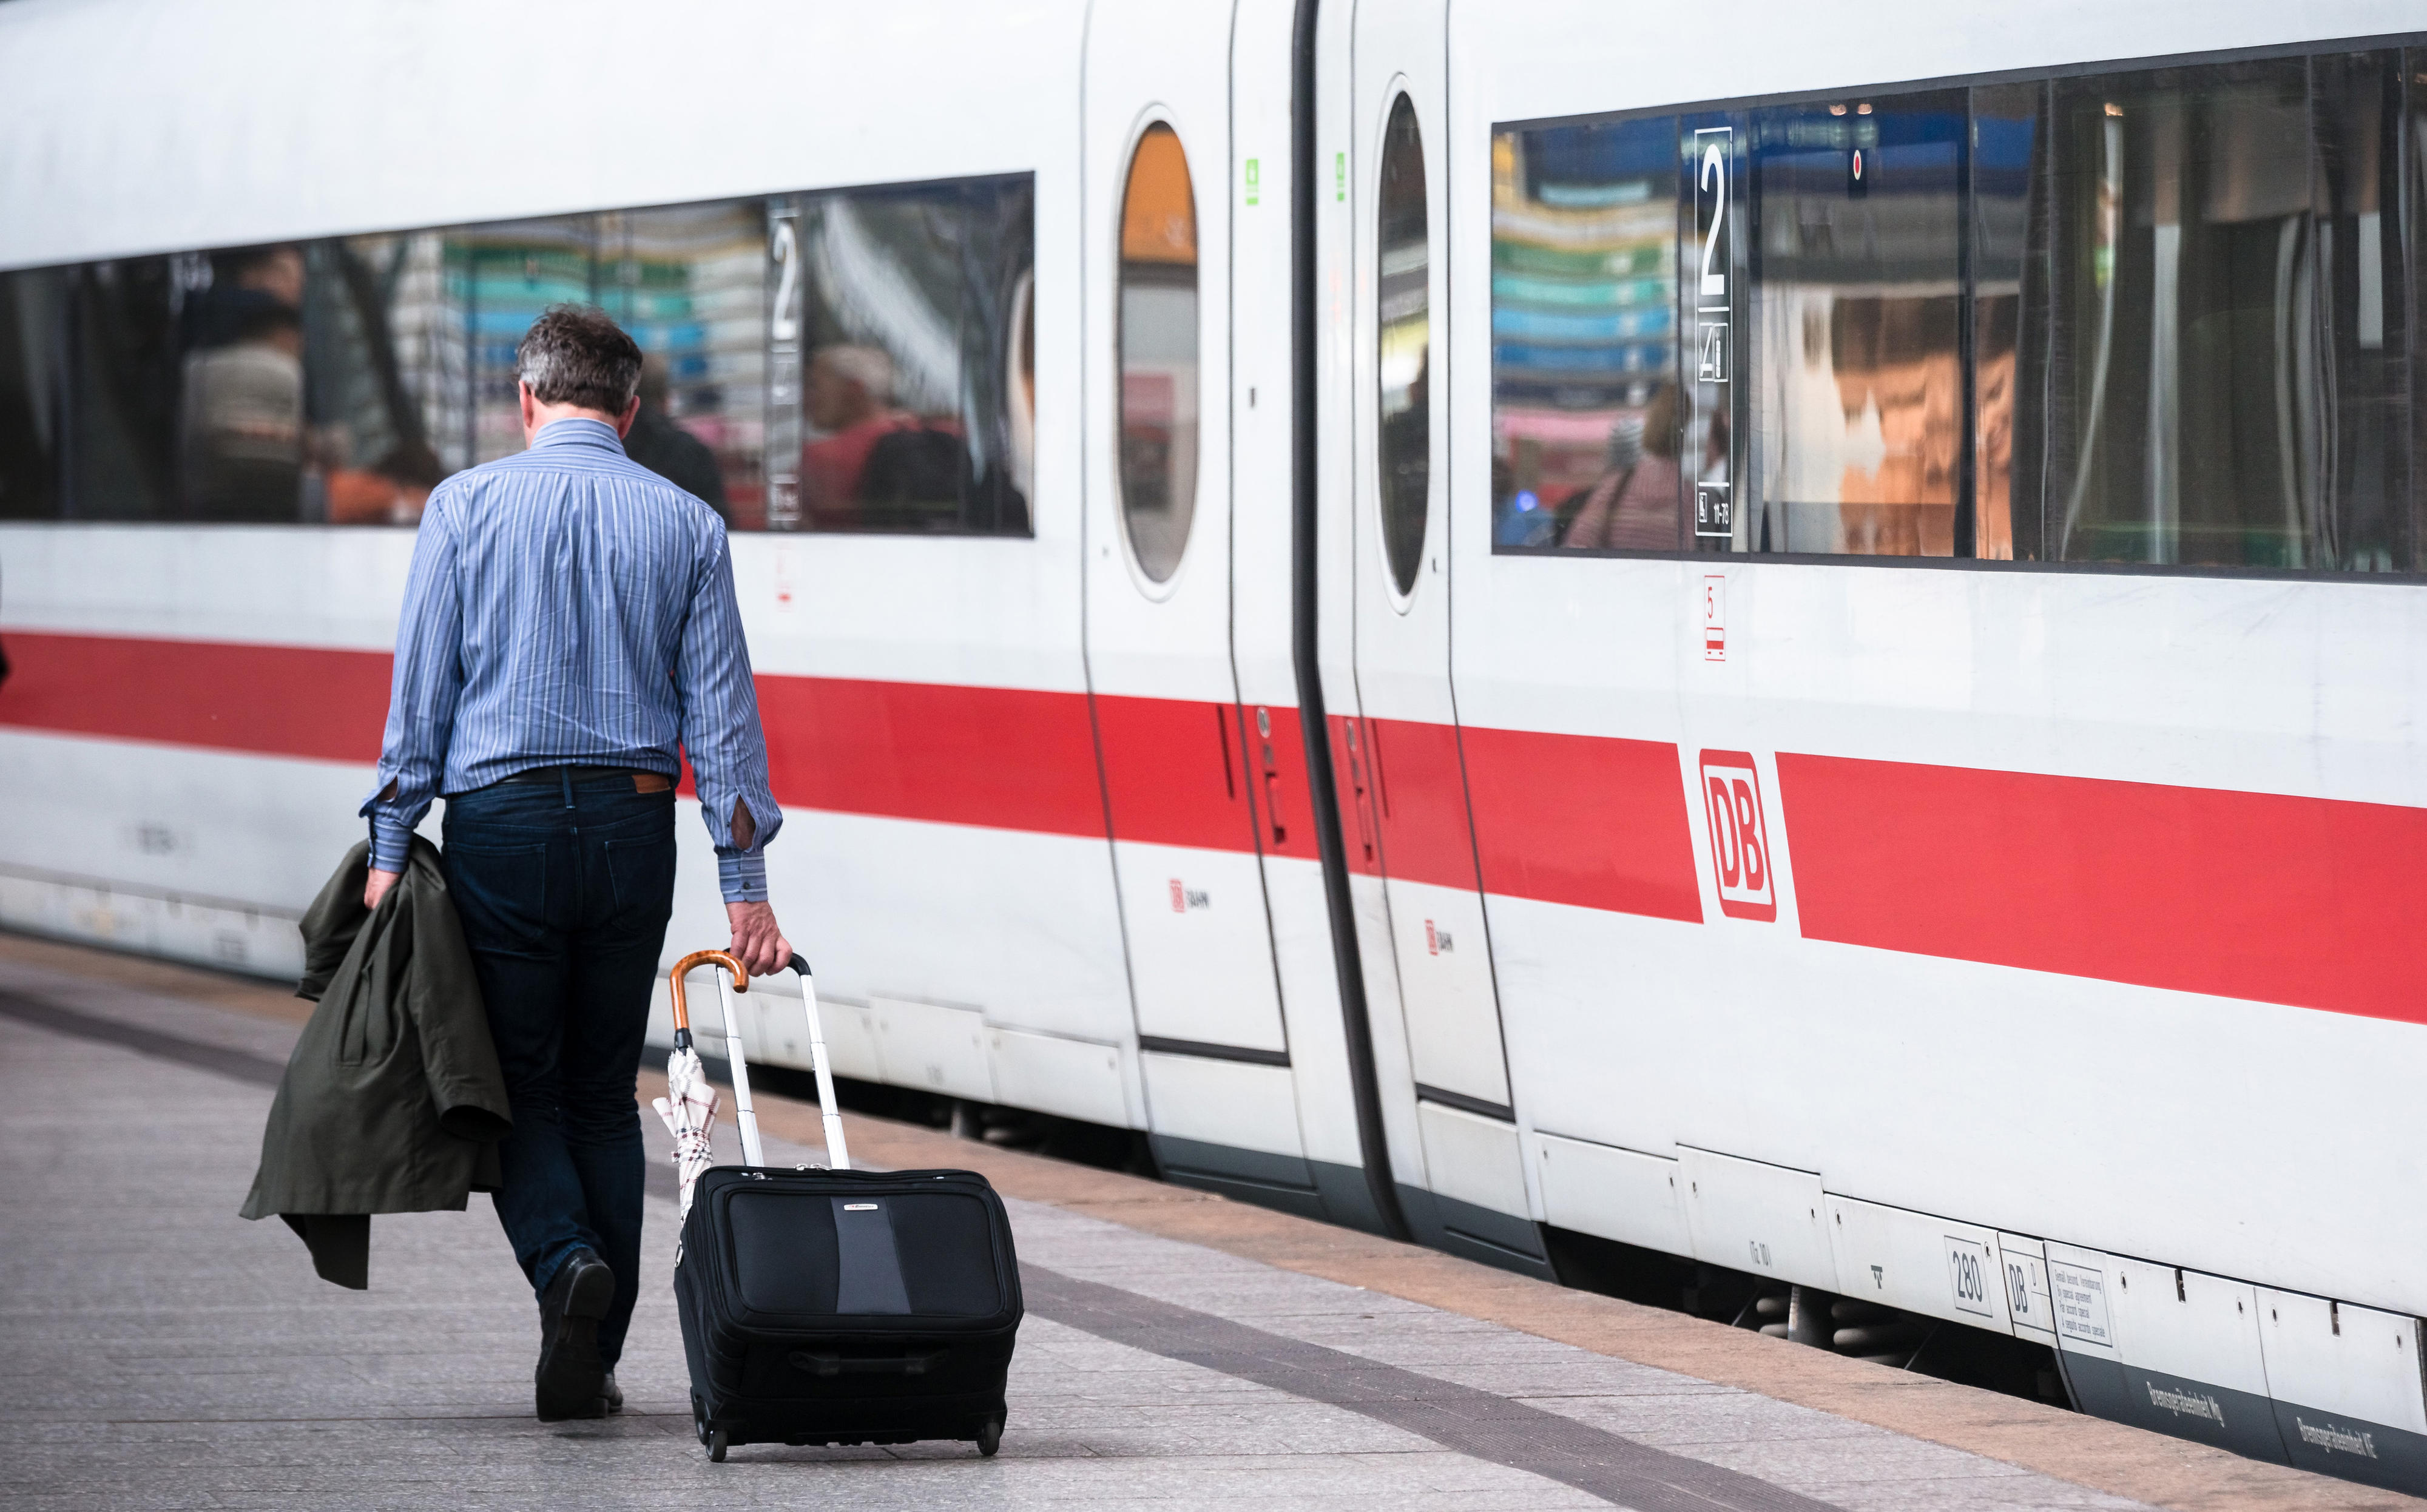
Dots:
pixel 574 354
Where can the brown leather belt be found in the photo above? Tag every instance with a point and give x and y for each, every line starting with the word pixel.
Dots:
pixel 643 782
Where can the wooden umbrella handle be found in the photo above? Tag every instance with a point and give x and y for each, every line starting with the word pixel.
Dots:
pixel 683 968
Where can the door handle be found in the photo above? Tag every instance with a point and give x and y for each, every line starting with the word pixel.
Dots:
pixel 1272 776
pixel 1361 798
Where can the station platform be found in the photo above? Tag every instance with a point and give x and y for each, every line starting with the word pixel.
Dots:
pixel 1180 1351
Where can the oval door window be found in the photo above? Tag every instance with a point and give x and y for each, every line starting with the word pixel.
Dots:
pixel 1403 365
pixel 1158 352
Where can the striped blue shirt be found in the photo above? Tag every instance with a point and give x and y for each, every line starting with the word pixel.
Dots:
pixel 567 606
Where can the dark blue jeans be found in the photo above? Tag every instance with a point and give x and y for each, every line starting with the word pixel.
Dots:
pixel 564 890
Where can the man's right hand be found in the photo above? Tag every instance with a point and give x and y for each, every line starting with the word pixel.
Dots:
pixel 375 886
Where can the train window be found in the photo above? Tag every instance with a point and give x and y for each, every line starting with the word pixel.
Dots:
pixel 1158 352
pixel 1851 360
pixel 498 279
pixel 690 283
pixel 1402 334
pixel 2153 318
pixel 2220 367
pixel 1586 423
pixel 33 368
pixel 185 392
pixel 2006 432
pixel 120 419
pixel 386 424
pixel 913 302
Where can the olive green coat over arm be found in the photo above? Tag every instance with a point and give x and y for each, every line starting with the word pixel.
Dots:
pixel 392 1102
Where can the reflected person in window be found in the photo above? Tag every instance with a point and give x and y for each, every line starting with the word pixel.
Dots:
pixel 661 444
pixel 569 635
pixel 849 400
pixel 1633 506
pixel 243 420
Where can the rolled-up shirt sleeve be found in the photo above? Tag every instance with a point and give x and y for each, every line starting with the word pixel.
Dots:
pixel 423 691
pixel 720 729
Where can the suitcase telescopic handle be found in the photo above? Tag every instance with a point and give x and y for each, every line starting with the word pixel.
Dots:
pixel 838 1151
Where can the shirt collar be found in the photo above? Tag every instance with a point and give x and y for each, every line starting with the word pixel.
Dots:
pixel 578 431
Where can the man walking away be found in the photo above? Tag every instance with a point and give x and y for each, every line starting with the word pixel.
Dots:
pixel 569 623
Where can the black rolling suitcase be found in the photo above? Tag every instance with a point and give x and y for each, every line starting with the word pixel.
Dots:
pixel 835 1305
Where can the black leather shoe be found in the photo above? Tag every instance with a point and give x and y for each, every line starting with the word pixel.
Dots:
pixel 571 1378
pixel 613 1393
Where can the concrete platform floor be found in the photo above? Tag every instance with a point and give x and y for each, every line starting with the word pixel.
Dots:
pixel 1180 1351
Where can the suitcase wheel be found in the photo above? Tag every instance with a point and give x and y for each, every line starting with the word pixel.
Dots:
pixel 718 1441
pixel 989 1437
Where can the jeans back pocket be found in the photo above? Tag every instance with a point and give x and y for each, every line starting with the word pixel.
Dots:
pixel 642 872
pixel 500 893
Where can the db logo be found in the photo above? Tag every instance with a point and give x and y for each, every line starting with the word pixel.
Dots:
pixel 1740 840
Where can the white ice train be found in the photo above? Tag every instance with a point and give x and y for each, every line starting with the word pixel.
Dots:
pixel 1779 652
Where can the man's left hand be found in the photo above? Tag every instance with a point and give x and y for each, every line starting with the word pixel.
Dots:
pixel 758 941
pixel 376 885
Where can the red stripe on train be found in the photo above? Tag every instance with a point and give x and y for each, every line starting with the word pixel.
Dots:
pixel 997 758
pixel 273 700
pixel 1583 820
pixel 1564 819
pixel 2245 895
pixel 2309 901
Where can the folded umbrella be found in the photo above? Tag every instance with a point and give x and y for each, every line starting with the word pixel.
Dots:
pixel 688 1109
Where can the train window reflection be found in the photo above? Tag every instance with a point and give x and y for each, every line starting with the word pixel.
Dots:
pixel 1158 352
pixel 2206 280
pixel 689 282
pixel 910 337
pixel 499 277
pixel 2005 122
pixel 384 376
pixel 1854 369
pixel 1403 361
pixel 2157 318
pixel 240 416
pixel 1583 294
pixel 124 350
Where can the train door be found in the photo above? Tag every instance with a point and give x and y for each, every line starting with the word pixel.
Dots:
pixel 1212 1049
pixel 1400 757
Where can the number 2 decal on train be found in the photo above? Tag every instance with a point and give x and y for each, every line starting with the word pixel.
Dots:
pixel 1740 853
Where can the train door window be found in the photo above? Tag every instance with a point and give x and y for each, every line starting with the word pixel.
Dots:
pixel 690 283
pixel 909 333
pixel 384 376
pixel 1158 340
pixel 33 363
pixel 1403 361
